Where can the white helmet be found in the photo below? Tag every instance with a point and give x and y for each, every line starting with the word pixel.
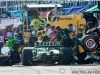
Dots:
pixel 20 23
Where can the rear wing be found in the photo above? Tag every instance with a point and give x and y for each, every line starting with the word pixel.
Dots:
pixel 49 44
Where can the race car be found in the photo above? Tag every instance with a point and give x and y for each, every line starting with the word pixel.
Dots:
pixel 37 54
pixel 47 53
pixel 52 56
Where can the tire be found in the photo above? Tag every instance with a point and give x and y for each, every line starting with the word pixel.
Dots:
pixel 67 56
pixel 44 58
pixel 2 58
pixel 90 43
pixel 17 58
pixel 27 57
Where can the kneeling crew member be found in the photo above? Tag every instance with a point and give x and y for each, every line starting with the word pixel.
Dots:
pixel 79 51
pixel 18 42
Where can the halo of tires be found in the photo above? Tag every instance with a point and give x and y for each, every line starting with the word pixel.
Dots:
pixel 90 43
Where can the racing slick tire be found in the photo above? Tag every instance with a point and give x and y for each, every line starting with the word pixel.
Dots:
pixel 90 43
pixel 27 57
pixel 67 56
pixel 2 58
pixel 44 56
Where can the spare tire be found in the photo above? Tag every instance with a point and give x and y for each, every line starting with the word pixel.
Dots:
pixel 90 43
pixel 27 57
pixel 67 56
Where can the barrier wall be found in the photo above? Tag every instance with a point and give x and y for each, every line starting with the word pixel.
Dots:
pixel 7 21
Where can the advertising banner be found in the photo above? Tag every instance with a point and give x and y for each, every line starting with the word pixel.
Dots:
pixel 3 15
pixel 17 14
pixel 7 21
pixel 71 10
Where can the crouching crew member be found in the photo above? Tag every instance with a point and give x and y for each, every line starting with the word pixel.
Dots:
pixel 79 51
pixel 17 43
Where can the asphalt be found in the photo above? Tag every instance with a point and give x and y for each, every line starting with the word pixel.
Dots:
pixel 47 70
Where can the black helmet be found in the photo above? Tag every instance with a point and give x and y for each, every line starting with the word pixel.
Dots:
pixel 58 28
pixel 70 25
pixel 90 24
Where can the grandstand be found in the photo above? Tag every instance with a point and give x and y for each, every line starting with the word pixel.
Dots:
pixel 13 5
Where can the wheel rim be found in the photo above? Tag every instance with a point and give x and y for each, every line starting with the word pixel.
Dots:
pixel 90 43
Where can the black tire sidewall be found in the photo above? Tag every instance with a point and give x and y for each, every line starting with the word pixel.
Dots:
pixel 67 56
pixel 26 57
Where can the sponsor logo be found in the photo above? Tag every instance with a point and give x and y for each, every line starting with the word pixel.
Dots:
pixel 3 15
pixel 58 43
pixel 60 19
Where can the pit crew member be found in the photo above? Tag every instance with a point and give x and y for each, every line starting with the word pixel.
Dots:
pixel 17 43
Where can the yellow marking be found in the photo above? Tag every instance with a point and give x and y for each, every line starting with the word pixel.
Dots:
pixel 20 49
pixel 70 35
pixel 81 50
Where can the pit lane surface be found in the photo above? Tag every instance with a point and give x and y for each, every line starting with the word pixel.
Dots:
pixel 45 70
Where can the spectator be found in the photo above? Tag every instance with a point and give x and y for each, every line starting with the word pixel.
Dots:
pixel 34 35
pixel 1 38
pixel 8 34
pixel 47 30
pixel 20 25
pixel 36 21
pixel 26 20
pixel 52 32
pixel 93 19
pixel 47 33
pixel 90 18
pixel 89 26
pixel 99 20
pixel 16 32
pixel 51 13
pixel 34 31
